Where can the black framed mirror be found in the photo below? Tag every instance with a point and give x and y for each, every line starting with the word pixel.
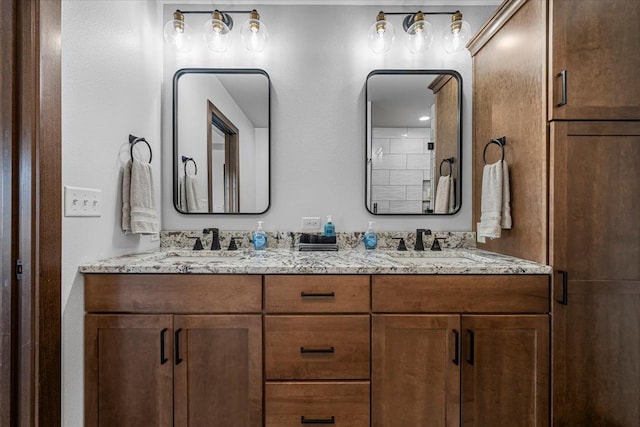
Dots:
pixel 413 142
pixel 221 141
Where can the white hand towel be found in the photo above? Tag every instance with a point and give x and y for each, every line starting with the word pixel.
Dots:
pixel 191 193
pixel 126 201
pixel 144 213
pixel 443 192
pixel 495 201
pixel 452 194
pixel 182 195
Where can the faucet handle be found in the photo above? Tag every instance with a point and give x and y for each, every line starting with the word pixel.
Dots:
pixel 232 244
pixel 436 244
pixel 197 246
pixel 401 244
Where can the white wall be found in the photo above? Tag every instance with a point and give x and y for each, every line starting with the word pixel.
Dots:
pixel 318 60
pixel 110 87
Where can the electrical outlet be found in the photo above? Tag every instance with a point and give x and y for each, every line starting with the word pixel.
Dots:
pixel 82 201
pixel 310 223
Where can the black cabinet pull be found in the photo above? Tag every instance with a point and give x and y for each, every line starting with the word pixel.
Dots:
pixel 563 81
pixel 565 288
pixel 177 346
pixel 317 350
pixel 304 420
pixel 163 334
pixel 471 345
pixel 456 338
pixel 317 294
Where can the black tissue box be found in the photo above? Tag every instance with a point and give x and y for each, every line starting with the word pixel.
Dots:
pixel 317 239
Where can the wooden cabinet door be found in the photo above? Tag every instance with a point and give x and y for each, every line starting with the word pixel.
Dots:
pixel 596 253
pixel 416 372
pixel 594 43
pixel 505 373
pixel 218 370
pixel 128 370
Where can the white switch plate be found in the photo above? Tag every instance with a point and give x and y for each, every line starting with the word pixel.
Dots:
pixel 311 223
pixel 82 201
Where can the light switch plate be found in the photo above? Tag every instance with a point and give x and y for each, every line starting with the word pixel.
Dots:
pixel 80 201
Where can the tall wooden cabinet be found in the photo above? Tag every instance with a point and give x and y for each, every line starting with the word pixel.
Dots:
pixel 559 80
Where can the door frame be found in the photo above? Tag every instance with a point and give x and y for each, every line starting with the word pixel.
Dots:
pixel 30 390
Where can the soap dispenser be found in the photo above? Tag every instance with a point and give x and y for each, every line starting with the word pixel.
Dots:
pixel 260 238
pixel 370 237
pixel 329 228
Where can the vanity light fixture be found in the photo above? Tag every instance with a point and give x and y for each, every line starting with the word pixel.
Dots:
pixel 419 32
pixel 216 30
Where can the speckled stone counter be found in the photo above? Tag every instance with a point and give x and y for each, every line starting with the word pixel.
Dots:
pixel 285 261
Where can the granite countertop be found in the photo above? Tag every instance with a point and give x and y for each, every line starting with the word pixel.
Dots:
pixel 284 261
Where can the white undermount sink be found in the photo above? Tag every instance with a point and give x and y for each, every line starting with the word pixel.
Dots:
pixel 436 257
pixel 200 257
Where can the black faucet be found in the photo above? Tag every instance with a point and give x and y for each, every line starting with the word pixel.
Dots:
pixel 215 238
pixel 419 244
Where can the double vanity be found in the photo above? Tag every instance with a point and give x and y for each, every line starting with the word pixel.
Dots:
pixel 288 338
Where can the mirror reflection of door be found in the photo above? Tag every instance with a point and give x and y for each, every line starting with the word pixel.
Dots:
pixel 223 159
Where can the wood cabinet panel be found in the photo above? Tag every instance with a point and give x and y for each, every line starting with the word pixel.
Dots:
pixel 288 402
pixel 317 347
pixel 416 370
pixel 316 294
pixel 218 372
pixel 505 373
pixel 593 41
pixel 509 99
pixel 596 199
pixel 459 294
pixel 173 293
pixel 126 382
pixel 596 354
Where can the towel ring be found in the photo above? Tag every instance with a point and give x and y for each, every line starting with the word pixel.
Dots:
pixel 133 140
pixel 501 142
pixel 186 160
pixel 449 161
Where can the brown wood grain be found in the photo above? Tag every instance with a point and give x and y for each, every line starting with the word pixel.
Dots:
pixel 590 39
pixel 173 293
pixel 460 294
pixel 508 382
pixel 219 381
pixel 283 294
pixel 287 402
pixel 286 335
pixel 9 212
pixel 415 381
pixel 447 135
pixel 125 382
pixel 509 95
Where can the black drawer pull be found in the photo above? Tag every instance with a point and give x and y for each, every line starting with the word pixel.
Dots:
pixel 304 420
pixel 563 81
pixel 317 294
pixel 163 358
pixel 456 338
pixel 177 346
pixel 317 350
pixel 565 288
pixel 470 360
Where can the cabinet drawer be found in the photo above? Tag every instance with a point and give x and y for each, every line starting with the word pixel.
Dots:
pixel 317 294
pixel 317 347
pixel 461 294
pixel 295 404
pixel 172 293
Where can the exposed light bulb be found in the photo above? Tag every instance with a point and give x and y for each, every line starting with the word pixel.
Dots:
pixel 381 35
pixel 216 32
pixel 177 33
pixel 457 34
pixel 420 34
pixel 424 118
pixel 254 33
